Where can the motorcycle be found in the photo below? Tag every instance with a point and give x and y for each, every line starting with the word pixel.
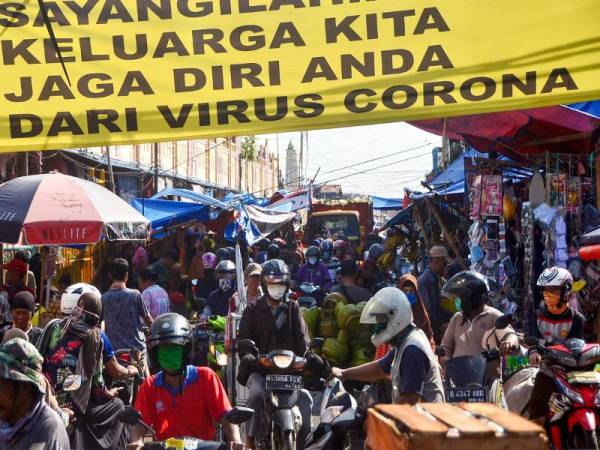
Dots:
pixel 235 416
pixel 306 294
pixel 283 381
pixel 340 419
pixel 574 410
pixel 130 386
pixel 208 344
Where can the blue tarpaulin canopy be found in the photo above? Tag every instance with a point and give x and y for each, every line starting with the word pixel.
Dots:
pixel 383 203
pixel 591 108
pixel 166 213
pixel 246 199
pixel 191 195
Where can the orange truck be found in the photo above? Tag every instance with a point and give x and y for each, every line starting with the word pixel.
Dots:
pixel 350 220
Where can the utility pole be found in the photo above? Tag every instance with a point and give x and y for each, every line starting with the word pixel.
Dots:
pixel 300 180
pixel 155 167
pixel 110 169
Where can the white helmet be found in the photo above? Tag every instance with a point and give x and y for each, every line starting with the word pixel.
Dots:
pixel 390 310
pixel 68 301
pixel 556 277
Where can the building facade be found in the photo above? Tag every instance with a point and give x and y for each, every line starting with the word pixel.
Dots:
pixel 212 166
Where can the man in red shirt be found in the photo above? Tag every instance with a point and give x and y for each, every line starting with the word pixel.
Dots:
pixel 180 400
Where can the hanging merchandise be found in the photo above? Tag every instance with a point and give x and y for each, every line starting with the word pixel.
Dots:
pixel 475 197
pixel 527 224
pixel 537 191
pixel 561 255
pixel 508 208
pixel 491 195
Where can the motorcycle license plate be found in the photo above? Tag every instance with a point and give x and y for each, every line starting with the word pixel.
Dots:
pixel 283 382
pixel 468 395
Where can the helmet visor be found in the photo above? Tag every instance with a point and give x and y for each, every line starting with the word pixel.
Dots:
pixel 276 279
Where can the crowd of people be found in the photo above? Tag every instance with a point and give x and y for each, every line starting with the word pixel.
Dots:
pixel 55 382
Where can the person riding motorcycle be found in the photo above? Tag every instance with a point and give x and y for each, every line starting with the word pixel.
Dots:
pixel 260 250
pixel 331 262
pixel 26 421
pixel 181 399
pixel 217 303
pixel 315 272
pixel 372 275
pixel 555 321
pixel 341 250
pixel 274 322
pixel 411 364
pixel 273 251
pixel 468 290
pixel 77 347
pixel 203 288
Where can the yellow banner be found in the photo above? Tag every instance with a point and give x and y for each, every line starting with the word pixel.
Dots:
pixel 95 72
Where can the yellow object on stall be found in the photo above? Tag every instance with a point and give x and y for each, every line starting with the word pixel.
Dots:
pixel 508 208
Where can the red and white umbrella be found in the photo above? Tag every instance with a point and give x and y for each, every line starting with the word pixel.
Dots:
pixel 57 209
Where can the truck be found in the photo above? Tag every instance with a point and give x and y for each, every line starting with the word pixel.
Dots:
pixel 347 218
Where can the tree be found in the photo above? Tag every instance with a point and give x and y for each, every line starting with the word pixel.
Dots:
pixel 249 148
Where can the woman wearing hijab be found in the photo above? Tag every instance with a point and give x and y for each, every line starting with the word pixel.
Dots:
pixel 409 285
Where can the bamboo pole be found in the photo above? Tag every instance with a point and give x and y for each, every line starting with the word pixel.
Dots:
pixel 449 237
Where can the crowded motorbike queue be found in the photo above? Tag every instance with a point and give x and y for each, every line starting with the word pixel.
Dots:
pixel 111 374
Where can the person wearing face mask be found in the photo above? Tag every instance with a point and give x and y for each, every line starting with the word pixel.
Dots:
pixel 555 321
pixel 274 322
pixel 315 272
pixel 217 303
pixel 468 290
pixel 181 399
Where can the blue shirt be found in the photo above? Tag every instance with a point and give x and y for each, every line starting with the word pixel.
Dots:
pixel 107 351
pixel 123 312
pixel 413 367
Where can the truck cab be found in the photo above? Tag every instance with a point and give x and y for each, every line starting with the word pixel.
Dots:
pixel 335 224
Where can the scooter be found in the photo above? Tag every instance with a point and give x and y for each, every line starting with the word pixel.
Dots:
pixel 236 416
pixel 130 386
pixel 283 381
pixel 339 419
pixel 306 294
pixel 208 343
pixel 574 410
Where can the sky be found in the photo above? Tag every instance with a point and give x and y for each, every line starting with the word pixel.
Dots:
pixel 404 152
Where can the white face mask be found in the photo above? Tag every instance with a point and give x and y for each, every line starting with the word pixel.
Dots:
pixel 276 291
pixel 312 260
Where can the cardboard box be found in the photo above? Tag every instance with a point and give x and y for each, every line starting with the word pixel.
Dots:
pixel 445 426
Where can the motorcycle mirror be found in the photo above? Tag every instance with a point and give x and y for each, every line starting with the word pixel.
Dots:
pixel 239 415
pixel 246 346
pixel 130 416
pixel 504 321
pixel 72 383
pixel 316 343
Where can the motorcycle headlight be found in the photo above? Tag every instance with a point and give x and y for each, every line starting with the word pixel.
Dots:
pixel 283 361
pixel 331 413
pixel 570 393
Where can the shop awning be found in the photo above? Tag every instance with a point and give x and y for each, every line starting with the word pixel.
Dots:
pixel 386 204
pixel 167 213
pixel 559 129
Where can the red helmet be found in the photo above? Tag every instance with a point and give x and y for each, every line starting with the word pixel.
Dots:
pixel 340 245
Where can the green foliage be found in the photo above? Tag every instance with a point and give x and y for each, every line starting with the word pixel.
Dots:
pixel 249 148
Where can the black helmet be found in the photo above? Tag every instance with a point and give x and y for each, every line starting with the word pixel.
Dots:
pixel 222 254
pixel 225 269
pixel 263 244
pixel 327 249
pixel 313 250
pixel 375 251
pixel 276 271
pixel 231 254
pixel 468 286
pixel 273 251
pixel 170 328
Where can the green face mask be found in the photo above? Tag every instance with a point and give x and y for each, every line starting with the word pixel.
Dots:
pixel 170 357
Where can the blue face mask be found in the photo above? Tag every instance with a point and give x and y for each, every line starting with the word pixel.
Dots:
pixel 412 298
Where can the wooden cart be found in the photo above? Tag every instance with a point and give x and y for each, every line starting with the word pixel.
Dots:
pixel 445 426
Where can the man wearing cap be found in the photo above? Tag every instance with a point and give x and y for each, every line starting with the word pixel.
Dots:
pixel 14 281
pixel 26 421
pixel 430 283
pixel 253 294
pixel 22 309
